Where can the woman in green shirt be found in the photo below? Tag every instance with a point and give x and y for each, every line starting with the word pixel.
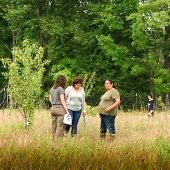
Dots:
pixel 107 108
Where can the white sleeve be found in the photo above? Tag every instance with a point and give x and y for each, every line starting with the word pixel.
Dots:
pixel 67 94
pixel 67 91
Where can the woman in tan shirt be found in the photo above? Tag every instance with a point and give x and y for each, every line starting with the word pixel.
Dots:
pixel 107 108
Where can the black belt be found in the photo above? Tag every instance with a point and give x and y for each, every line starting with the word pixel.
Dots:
pixel 57 104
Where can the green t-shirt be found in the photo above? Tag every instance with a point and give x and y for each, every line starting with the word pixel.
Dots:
pixel 107 100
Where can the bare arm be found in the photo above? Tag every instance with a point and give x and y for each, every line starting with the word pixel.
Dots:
pixel 50 98
pixel 64 103
pixel 117 102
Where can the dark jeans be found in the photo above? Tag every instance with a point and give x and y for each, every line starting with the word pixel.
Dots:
pixel 75 115
pixel 107 123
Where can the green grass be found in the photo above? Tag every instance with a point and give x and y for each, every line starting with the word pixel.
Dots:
pixel 140 144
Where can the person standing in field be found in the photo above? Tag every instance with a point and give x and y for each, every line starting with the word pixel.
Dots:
pixel 59 108
pixel 75 99
pixel 108 108
pixel 150 106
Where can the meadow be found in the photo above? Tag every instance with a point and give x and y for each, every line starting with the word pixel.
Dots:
pixel 141 143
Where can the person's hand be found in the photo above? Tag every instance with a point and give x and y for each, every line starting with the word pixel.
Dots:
pixel 108 109
pixel 84 114
pixel 67 112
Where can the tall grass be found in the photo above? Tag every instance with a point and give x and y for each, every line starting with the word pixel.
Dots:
pixel 140 143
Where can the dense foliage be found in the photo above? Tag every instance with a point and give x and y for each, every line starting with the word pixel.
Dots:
pixel 126 41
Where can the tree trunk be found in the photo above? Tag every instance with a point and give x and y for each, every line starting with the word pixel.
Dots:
pixel 167 62
pixel 167 100
pixel 14 39
pixel 26 121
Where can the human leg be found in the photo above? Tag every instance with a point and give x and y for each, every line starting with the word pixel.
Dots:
pixel 75 120
pixel 60 130
pixel 103 128
pixel 54 125
pixel 110 123
pixel 57 121
pixel 67 127
pixel 54 120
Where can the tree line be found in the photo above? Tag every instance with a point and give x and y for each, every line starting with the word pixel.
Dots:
pixel 126 41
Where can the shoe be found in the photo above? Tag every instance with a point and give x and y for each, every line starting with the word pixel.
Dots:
pixel 73 135
pixel 103 136
pixel 66 133
pixel 112 137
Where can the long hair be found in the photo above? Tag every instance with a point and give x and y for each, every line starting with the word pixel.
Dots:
pixel 60 82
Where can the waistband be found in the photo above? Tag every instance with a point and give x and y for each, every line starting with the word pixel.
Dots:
pixel 57 105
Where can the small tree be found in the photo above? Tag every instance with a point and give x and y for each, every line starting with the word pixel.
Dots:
pixel 25 78
pixel 89 80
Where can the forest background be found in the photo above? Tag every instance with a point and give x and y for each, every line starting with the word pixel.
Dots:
pixel 127 41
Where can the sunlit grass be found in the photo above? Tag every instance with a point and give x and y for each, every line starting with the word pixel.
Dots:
pixel 141 143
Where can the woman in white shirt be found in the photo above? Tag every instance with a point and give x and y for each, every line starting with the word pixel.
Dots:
pixel 75 99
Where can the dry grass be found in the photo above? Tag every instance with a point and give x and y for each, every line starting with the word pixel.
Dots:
pixel 140 143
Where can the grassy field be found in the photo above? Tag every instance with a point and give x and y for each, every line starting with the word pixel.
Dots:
pixel 141 144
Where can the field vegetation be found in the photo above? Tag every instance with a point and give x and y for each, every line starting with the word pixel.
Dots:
pixel 141 143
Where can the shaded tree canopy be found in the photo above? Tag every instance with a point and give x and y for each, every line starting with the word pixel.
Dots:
pixel 126 41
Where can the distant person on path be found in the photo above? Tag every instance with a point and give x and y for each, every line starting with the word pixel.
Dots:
pixel 59 108
pixel 150 106
pixel 75 99
pixel 108 108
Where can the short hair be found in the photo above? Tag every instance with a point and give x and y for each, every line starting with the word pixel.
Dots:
pixel 77 80
pixel 111 82
pixel 150 95
pixel 60 82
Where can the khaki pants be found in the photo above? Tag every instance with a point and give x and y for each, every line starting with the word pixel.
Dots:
pixel 57 114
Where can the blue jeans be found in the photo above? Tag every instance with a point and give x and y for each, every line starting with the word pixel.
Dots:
pixel 75 115
pixel 107 123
